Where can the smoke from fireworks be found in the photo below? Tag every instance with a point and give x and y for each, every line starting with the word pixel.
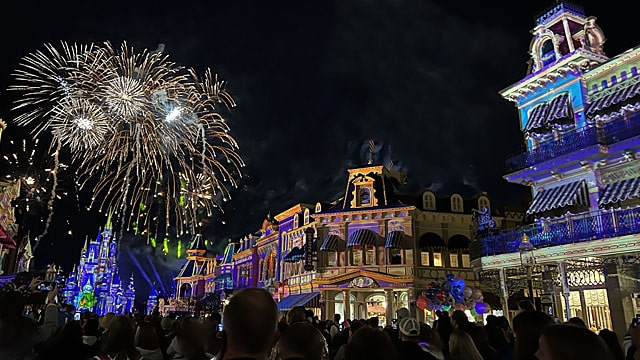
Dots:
pixel 144 133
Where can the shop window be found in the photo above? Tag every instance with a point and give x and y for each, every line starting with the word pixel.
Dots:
pixel 408 257
pixel 466 261
pixel 453 260
pixel 424 258
pixel 332 258
pixel 395 256
pixel 370 256
pixel 357 255
pixel 437 259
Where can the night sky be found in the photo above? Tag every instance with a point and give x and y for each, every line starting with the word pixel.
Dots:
pixel 314 80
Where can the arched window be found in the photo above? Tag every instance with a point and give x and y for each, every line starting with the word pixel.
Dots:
pixel 306 216
pixel 428 201
pixel 296 221
pixel 483 202
pixel 547 53
pixel 456 203
pixel 318 208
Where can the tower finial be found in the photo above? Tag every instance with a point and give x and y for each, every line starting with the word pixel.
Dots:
pixel 372 148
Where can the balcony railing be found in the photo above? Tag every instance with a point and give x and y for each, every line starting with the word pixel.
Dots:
pixel 612 132
pixel 603 224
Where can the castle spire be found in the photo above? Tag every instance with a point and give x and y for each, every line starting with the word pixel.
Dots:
pixel 109 224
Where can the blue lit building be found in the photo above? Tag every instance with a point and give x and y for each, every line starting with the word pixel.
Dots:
pixel 578 112
pixel 94 285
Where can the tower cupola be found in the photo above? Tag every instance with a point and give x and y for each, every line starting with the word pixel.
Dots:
pixel 562 30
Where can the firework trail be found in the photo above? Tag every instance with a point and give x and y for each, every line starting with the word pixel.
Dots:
pixel 143 132
pixel 35 169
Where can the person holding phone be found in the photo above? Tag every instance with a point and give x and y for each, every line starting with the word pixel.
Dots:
pixel 19 334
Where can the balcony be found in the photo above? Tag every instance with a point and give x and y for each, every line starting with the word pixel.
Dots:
pixel 583 227
pixel 611 133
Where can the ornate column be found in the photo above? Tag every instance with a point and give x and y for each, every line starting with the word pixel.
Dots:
pixel 389 310
pixel 411 299
pixel 566 292
pixel 346 301
pixel 567 35
pixel 504 292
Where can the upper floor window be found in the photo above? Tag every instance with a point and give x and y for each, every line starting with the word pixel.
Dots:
pixel 296 221
pixel 456 203
pixel 428 201
pixel 483 202
pixel 306 216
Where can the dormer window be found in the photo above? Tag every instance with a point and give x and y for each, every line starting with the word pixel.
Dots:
pixel 456 203
pixel 306 216
pixel 363 193
pixel 296 221
pixel 483 202
pixel 428 201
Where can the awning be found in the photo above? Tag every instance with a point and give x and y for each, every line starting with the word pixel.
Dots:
pixel 296 254
pixel 292 301
pixel 6 240
pixel 395 239
pixel 363 237
pixel 620 191
pixel 330 243
pixel 559 111
pixel 546 115
pixel 618 97
pixel 574 193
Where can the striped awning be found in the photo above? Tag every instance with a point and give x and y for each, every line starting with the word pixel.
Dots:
pixel 296 254
pixel 395 239
pixel 614 98
pixel 554 112
pixel 620 191
pixel 574 193
pixel 363 237
pixel 305 300
pixel 330 243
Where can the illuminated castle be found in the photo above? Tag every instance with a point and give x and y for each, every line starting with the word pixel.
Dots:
pixel 94 285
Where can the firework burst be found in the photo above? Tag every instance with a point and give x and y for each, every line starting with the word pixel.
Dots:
pixel 144 132
pixel 33 166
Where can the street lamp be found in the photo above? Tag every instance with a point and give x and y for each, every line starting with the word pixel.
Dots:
pixel 528 260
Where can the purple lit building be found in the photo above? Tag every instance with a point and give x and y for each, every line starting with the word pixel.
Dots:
pixel 94 285
pixel 578 112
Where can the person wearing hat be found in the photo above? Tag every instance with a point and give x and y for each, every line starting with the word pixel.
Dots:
pixel 408 347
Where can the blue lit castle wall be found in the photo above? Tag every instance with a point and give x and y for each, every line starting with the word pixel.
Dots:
pixel 94 285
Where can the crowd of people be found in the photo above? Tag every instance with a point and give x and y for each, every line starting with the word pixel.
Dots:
pixel 251 327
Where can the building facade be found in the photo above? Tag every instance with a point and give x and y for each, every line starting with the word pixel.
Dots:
pixel 578 112
pixel 367 254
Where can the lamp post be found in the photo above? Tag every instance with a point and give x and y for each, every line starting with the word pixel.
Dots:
pixel 528 260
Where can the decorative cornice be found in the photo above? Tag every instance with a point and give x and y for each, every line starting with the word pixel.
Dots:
pixel 613 64
pixel 570 62
pixel 341 278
